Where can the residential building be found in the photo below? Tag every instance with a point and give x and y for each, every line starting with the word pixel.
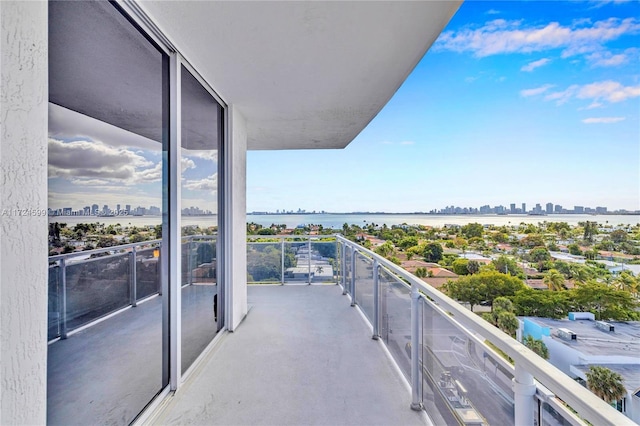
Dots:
pixel 212 80
pixel 580 341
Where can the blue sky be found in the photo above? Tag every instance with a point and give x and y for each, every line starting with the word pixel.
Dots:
pixel 516 102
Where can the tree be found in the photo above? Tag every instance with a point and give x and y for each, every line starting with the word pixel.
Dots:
pixel 472 230
pixel 590 229
pixel 537 346
pixel 618 236
pixel 502 316
pixel 466 291
pixel 532 240
pixel 385 249
pixel 507 322
pixel 473 267
pixel 545 304
pixel 574 249
pixel 507 265
pixel 605 384
pixel 460 266
pixel 626 281
pixel 539 254
pixel 605 301
pixel 483 286
pixel 433 252
pixel 554 280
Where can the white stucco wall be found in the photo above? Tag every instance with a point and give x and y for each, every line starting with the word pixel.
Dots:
pixel 23 239
pixel 237 190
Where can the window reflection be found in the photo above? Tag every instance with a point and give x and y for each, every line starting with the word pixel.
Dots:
pixel 201 296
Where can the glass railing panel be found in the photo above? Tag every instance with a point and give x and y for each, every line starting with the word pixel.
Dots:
pixel 550 417
pixel 147 272
pixel 188 260
pixel 199 299
pixel 296 262
pixel 54 305
pixel 264 262
pixel 347 268
pixel 203 262
pixel 395 319
pixel 323 262
pixel 463 382
pixel 97 287
pixel 364 285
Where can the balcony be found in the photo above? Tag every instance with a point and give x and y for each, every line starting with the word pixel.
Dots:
pixel 356 341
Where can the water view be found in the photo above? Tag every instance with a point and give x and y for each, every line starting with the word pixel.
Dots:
pixel 336 220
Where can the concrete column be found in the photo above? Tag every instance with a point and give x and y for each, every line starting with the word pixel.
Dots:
pixel 23 206
pixel 523 388
pixel 235 221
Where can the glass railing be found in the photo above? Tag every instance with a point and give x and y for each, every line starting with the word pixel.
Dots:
pixel 292 259
pixel 89 285
pixel 441 348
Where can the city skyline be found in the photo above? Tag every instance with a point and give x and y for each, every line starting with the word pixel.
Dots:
pixel 516 100
pixel 512 208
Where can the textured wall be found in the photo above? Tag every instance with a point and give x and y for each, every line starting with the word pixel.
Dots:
pixel 238 160
pixel 23 234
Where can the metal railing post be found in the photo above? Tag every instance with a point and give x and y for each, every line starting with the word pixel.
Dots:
pixel 63 308
pixel 282 262
pixel 337 263
pixel 524 389
pixel 343 268
pixel 416 403
pixel 353 276
pixel 309 255
pixel 189 248
pixel 133 285
pixel 159 271
pixel 376 301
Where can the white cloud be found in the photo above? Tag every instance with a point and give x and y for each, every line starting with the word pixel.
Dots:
pixel 562 96
pixel 610 91
pixel 603 120
pixel 535 64
pixel 606 58
pixel 500 37
pixel 492 12
pixel 535 91
pixel 599 92
pixel 86 162
pixel 210 183
pixel 187 164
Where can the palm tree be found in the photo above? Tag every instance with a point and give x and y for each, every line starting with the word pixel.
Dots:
pixel 537 346
pixel 554 280
pixel 605 384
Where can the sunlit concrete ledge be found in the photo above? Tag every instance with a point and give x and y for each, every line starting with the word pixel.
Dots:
pixel 302 356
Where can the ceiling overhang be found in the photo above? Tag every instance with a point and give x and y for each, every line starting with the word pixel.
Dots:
pixel 303 74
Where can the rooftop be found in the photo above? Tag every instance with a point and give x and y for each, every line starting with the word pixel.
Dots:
pixel 625 340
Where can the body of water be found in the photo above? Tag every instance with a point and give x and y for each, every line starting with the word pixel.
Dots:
pixel 330 220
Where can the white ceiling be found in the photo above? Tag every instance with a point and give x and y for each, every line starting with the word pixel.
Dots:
pixel 304 74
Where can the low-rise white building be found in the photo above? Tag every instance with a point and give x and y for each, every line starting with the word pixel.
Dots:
pixel 580 341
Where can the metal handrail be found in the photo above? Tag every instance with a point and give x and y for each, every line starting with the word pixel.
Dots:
pixel 588 405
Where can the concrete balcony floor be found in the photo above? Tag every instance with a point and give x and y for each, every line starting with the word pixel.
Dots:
pixel 302 356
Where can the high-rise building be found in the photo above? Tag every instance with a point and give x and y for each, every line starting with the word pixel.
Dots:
pixel 549 208
pixel 94 209
pixel 513 207
pixel 558 208
pixel 524 207
pixel 578 209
